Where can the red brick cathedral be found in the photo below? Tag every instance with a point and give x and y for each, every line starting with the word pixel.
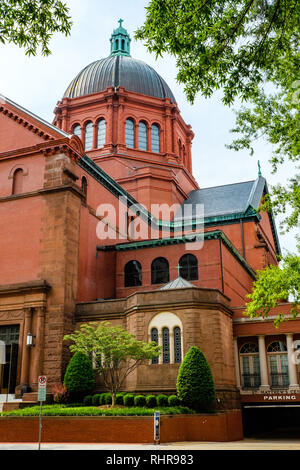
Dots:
pixel 102 219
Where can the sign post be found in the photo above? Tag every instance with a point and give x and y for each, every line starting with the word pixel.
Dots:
pixel 156 427
pixel 42 388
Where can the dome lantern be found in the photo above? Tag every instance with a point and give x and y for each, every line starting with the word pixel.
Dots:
pixel 120 41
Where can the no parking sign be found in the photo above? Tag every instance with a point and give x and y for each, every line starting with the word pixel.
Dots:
pixel 42 388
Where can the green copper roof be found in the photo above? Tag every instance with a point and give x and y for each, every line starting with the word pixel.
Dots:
pixel 120 41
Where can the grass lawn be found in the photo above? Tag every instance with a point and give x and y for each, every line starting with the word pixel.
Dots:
pixel 79 410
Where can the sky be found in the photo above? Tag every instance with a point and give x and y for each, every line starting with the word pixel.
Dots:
pixel 37 83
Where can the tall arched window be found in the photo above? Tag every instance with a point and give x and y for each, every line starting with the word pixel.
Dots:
pixel 278 364
pixel 101 133
pixel 154 337
pixel 133 274
pixel 159 271
pixel 142 136
pixel 155 141
pixel 177 344
pixel 188 267
pixel 250 367
pixel 88 139
pixel 129 133
pixel 166 345
pixel 17 186
pixel 77 130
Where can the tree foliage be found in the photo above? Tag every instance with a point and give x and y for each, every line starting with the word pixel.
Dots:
pixel 116 352
pixel 79 377
pixel 249 49
pixel 30 24
pixel 195 384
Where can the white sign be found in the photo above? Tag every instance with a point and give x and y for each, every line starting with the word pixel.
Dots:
pixel 42 381
pixel 42 388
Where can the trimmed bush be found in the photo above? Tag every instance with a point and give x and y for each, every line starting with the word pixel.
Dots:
pixel 79 377
pixel 195 384
pixel 96 399
pixel 128 399
pixel 151 401
pixel 173 400
pixel 162 400
pixel 87 401
pixel 120 399
pixel 107 399
pixel 102 398
pixel 139 400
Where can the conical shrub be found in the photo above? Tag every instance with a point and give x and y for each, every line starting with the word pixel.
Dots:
pixel 79 377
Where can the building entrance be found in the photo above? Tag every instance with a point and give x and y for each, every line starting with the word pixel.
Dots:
pixel 8 371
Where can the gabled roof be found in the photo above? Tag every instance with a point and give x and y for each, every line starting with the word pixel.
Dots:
pixel 23 115
pixel 178 283
pixel 229 199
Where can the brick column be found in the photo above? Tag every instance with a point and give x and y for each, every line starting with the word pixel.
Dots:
pixel 264 376
pixel 293 372
pixel 39 345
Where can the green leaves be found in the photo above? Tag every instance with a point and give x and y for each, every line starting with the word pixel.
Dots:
pixel 276 284
pixel 30 24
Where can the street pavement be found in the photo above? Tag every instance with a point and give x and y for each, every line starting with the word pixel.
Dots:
pixel 245 444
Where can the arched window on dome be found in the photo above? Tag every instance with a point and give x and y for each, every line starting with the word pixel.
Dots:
pixel 188 267
pixel 159 271
pixel 177 344
pixel 142 135
pixel 17 186
pixel 88 136
pixel 77 130
pixel 166 330
pixel 129 133
pixel 155 138
pixel 101 128
pixel 133 274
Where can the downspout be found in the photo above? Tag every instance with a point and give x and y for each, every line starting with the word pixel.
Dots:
pixel 221 263
pixel 242 238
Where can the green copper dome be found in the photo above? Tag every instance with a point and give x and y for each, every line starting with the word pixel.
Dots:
pixel 119 69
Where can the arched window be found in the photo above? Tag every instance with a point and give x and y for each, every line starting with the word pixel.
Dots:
pixel 133 274
pixel 142 136
pixel 101 133
pixel 129 133
pixel 188 267
pixel 166 345
pixel 88 139
pixel 154 337
pixel 155 141
pixel 278 364
pixel 84 185
pixel 177 345
pixel 159 271
pixel 77 130
pixel 17 186
pixel 250 367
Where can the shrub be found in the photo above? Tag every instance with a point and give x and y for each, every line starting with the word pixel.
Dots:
pixel 162 400
pixel 107 399
pixel 195 384
pixel 151 401
pixel 79 377
pixel 120 399
pixel 102 398
pixel 128 399
pixel 96 399
pixel 87 401
pixel 60 393
pixel 173 400
pixel 139 400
